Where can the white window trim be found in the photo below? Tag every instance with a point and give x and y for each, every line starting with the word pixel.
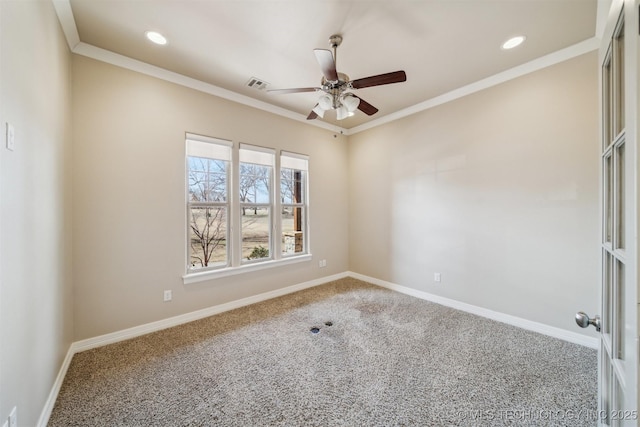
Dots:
pixel 227 205
pixel 236 265
pixel 261 156
pixel 202 276
pixel 301 162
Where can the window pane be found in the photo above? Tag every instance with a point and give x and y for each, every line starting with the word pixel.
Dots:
pixel 293 239
pixel 608 198
pixel 607 292
pixel 207 236
pixel 619 220
pixel 618 93
pixel 255 183
pixel 607 108
pixel 618 337
pixel 256 227
pixel 292 186
pixel 207 180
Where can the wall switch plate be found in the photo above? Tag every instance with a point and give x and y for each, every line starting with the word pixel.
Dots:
pixel 437 278
pixel 13 417
pixel 11 137
pixel 167 295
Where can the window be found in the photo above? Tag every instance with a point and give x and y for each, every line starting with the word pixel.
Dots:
pixel 208 202
pixel 256 202
pixel 293 194
pixel 239 200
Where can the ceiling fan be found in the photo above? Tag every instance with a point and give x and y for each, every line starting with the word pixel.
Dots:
pixel 335 87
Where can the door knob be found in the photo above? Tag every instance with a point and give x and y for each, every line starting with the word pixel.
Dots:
pixel 583 320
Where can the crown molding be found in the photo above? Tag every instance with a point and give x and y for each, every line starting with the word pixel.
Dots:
pixel 67 21
pixel 604 9
pixel 122 61
pixel 510 74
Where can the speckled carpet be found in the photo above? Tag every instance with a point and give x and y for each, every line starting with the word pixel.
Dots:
pixel 346 353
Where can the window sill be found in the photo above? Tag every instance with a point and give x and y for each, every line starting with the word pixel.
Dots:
pixel 232 271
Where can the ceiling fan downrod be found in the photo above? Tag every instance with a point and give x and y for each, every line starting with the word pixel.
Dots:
pixel 335 41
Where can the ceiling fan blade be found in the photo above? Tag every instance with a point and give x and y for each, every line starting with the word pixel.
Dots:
pixel 365 107
pixel 294 90
pixel 380 79
pixel 327 64
pixel 312 115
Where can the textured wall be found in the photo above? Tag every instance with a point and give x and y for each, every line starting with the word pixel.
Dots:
pixel 129 180
pixel 35 217
pixel 497 191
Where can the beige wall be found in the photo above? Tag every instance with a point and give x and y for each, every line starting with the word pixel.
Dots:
pixel 35 261
pixel 497 191
pixel 129 181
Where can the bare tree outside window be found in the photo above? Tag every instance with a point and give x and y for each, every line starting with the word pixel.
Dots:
pixel 207 211
pixel 254 185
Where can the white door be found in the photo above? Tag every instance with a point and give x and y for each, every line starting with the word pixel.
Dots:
pixel 618 364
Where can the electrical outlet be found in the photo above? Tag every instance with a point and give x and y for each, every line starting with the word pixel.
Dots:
pixel 13 417
pixel 437 278
pixel 167 295
pixel 322 263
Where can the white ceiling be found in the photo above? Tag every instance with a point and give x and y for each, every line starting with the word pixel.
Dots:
pixel 441 44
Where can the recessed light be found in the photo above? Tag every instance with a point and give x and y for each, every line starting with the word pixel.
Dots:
pixel 156 37
pixel 513 42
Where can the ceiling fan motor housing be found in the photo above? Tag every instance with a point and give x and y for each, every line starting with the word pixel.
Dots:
pixel 335 40
pixel 342 81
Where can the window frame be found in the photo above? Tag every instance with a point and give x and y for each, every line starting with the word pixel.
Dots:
pixel 270 205
pixel 302 163
pixel 228 145
pixel 235 262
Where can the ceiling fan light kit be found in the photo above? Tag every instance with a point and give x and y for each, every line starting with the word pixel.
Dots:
pixel 341 113
pixel 350 102
pixel 335 86
pixel 325 102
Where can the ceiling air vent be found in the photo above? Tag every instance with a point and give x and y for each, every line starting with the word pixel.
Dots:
pixel 257 83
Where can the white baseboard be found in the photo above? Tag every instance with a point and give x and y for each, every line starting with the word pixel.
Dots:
pixel 519 322
pixel 53 394
pixel 137 331
pixel 147 328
